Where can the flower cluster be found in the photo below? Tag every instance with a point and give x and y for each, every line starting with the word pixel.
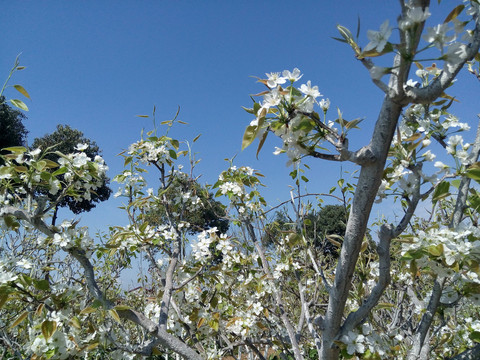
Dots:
pixel 71 236
pixel 240 186
pixel 447 252
pixel 201 249
pixel 289 113
pixel 154 150
pixel 75 174
pixel 418 127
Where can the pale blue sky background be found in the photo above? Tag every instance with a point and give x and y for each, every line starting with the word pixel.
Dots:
pixel 94 65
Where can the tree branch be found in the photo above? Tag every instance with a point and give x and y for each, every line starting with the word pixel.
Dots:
pixel 429 93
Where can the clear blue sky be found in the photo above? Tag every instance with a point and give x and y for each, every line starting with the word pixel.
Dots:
pixel 94 65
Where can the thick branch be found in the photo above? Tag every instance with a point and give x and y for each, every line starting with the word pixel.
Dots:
pixel 383 250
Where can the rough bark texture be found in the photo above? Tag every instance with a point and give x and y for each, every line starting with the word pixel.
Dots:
pixel 367 187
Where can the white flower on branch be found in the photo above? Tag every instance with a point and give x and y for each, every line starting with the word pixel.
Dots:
pixel 293 76
pixel 275 79
pixel 438 35
pixel 378 39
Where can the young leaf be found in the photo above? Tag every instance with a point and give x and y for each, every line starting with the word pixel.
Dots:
pixel 262 141
pixel 113 313
pixel 39 309
pixel 249 136
pixel 48 328
pixel 87 310
pixel 75 322
pixel 3 299
pixel 19 319
pixel 22 91
pixel 454 13
pixel 16 149
pixel 19 104
pixel 346 34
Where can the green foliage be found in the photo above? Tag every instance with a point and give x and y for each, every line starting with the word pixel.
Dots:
pixel 211 212
pixel 64 140
pixel 12 129
pixel 329 220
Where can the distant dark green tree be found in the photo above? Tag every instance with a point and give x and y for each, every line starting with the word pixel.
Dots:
pixel 210 213
pixel 12 130
pixel 316 225
pixel 64 139
pixel 330 220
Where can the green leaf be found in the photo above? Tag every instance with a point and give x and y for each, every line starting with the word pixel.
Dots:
pixel 332 237
pixel 256 107
pixel 473 173
pixel 5 170
pixel 50 164
pixel 346 34
pixel 213 324
pixel 262 141
pixel 474 202
pixel 385 305
pixel 173 154
pixel 11 222
pixel 75 322
pixel 175 143
pixel 22 169
pixel 475 336
pixel 374 53
pixel 113 313
pixel 353 124
pixel 41 284
pixel 60 171
pixel 21 90
pixel 248 110
pixel 16 149
pixel 48 328
pixel 128 160
pixel 3 298
pixel 441 191
pixel 435 250
pixel 454 13
pixel 338 39
pixel 19 104
pixel 249 136
pixel 142 116
pixel 340 118
pixel 358 27
pixel 87 310
pixel 41 165
pixel 39 309
pixel 22 317
pixel 197 137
